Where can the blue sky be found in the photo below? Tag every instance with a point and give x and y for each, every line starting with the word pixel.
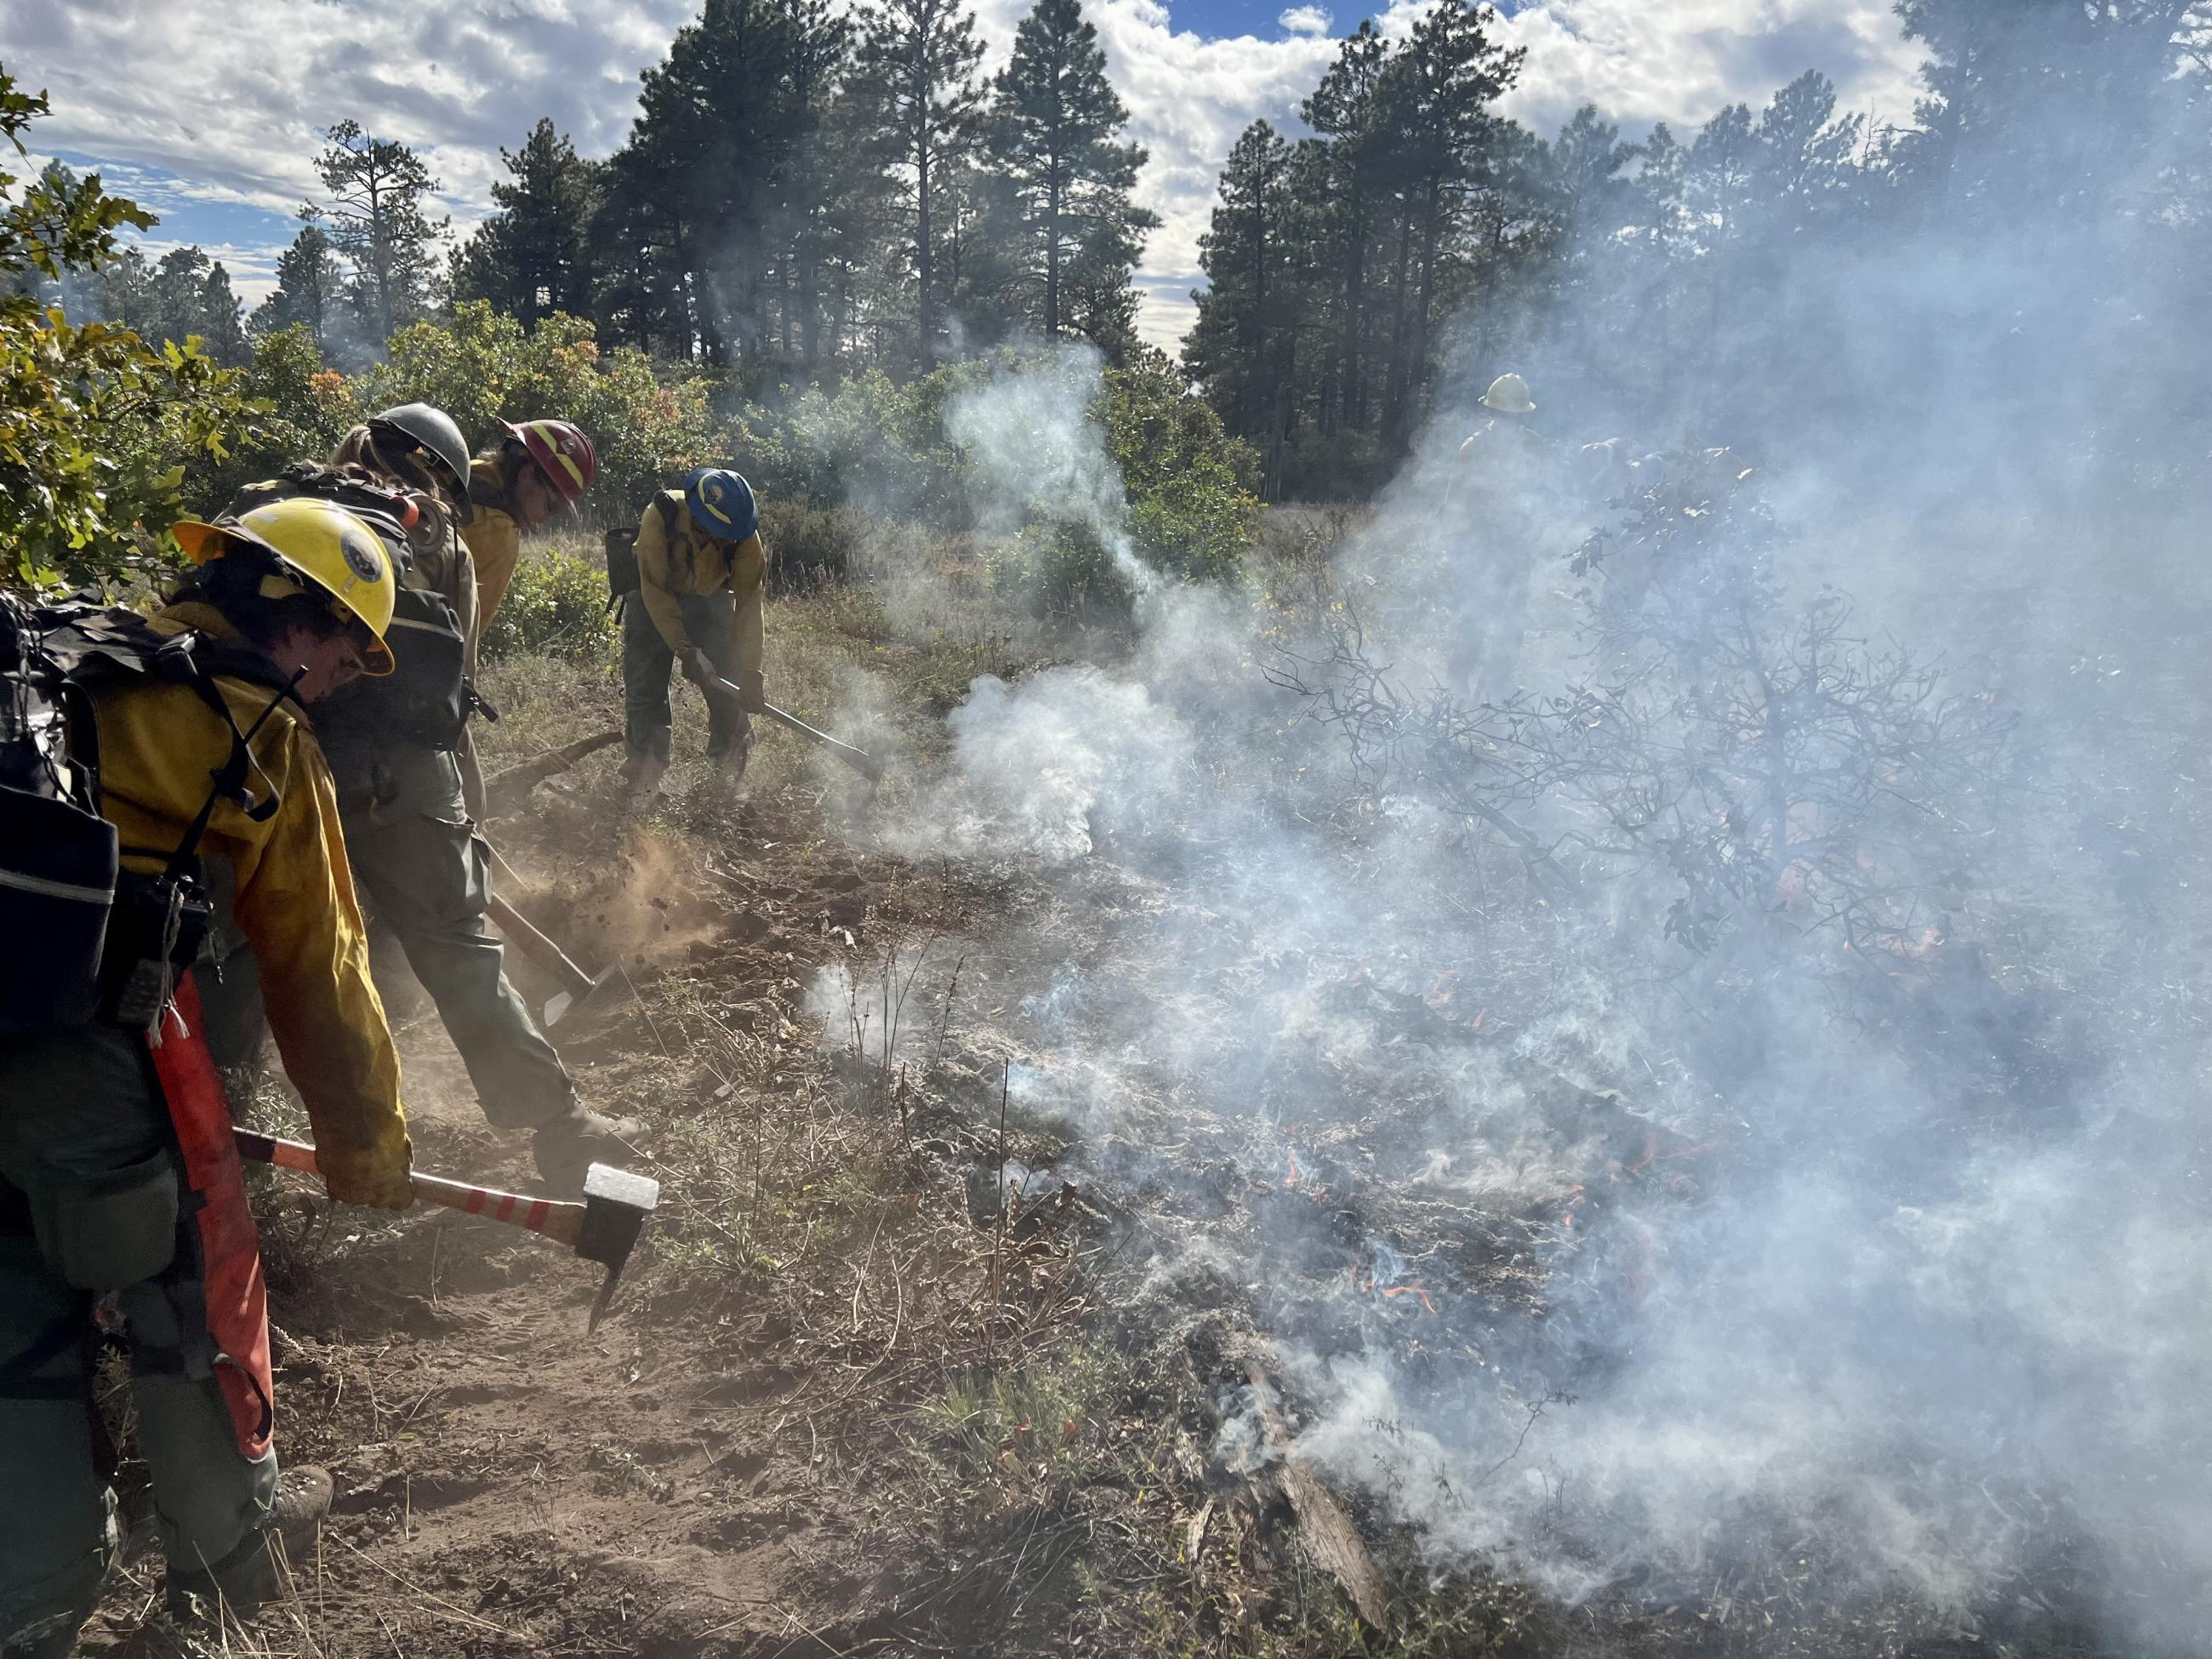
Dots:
pixel 228 162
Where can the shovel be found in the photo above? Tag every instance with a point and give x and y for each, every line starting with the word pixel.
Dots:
pixel 603 1228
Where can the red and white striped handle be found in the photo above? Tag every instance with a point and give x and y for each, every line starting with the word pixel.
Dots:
pixel 557 1219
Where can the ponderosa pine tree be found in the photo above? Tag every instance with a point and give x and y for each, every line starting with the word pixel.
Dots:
pixel 532 258
pixel 915 74
pixel 378 222
pixel 1065 178
pixel 222 319
pixel 1242 348
pixel 309 284
pixel 702 244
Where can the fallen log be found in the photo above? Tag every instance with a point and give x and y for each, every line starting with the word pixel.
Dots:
pixel 1329 1536
pixel 512 787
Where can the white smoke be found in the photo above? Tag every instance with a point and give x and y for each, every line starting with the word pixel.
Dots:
pixel 1036 456
pixel 1909 1319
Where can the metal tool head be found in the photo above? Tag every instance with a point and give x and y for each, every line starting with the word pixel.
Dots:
pixel 559 1005
pixel 616 1206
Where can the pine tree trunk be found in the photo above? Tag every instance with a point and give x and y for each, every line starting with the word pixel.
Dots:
pixel 1417 344
pixel 1052 251
pixel 1253 414
pixel 1395 375
pixel 1355 302
pixel 924 259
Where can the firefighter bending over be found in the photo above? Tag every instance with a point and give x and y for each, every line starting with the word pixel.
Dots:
pixel 118 1182
pixel 700 569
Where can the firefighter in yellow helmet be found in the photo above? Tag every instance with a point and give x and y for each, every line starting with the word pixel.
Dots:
pixel 1498 453
pixel 119 1182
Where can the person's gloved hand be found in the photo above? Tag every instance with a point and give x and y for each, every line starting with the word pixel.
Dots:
pixel 752 694
pixel 377 1179
pixel 693 662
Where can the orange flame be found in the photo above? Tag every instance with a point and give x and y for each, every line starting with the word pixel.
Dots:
pixel 1410 1290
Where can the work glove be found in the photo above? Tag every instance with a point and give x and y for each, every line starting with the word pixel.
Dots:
pixel 752 694
pixel 377 1180
pixel 693 661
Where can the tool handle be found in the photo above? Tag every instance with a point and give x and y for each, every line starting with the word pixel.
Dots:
pixel 535 945
pixel 859 759
pixel 556 1219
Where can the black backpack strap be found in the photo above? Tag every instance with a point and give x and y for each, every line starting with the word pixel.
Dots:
pixel 668 503
pixel 190 660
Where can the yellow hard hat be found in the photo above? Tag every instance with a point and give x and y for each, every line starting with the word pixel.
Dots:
pixel 1508 395
pixel 319 543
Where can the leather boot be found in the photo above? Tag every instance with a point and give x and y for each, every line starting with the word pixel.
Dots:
pixel 641 775
pixel 566 1148
pixel 256 1573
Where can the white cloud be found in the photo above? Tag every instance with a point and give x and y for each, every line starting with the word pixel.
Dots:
pixel 223 108
pixel 1681 62
pixel 1306 20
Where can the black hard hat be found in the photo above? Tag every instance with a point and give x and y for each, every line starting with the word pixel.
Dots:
pixel 436 432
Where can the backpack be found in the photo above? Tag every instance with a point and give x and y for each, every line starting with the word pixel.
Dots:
pixel 624 578
pixel 391 513
pixel 110 942
pixel 427 698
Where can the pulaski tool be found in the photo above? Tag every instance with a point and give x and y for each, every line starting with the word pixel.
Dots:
pixel 511 788
pixel 578 986
pixel 603 1228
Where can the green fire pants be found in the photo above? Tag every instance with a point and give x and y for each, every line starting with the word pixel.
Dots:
pixel 90 1200
pixel 648 660
pixel 426 873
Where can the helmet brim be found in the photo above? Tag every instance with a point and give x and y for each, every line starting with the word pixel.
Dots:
pixel 204 543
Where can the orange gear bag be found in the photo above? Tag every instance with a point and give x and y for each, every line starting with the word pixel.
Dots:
pixel 215 1197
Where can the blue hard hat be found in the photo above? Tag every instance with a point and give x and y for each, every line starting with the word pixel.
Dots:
pixel 721 504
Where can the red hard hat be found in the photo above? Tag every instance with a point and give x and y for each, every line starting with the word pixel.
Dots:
pixel 562 453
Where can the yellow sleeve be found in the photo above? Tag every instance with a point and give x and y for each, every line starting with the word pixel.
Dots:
pixel 295 899
pixel 748 581
pixel 296 904
pixel 653 581
pixel 495 543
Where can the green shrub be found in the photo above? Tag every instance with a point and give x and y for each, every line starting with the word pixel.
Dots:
pixel 309 408
pixel 1191 510
pixel 808 545
pixel 557 607
pixel 646 423
pixel 1059 570
pixel 99 430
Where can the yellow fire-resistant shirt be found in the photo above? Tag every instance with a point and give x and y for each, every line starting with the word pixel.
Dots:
pixel 688 562
pixel 158 745
pixel 495 538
